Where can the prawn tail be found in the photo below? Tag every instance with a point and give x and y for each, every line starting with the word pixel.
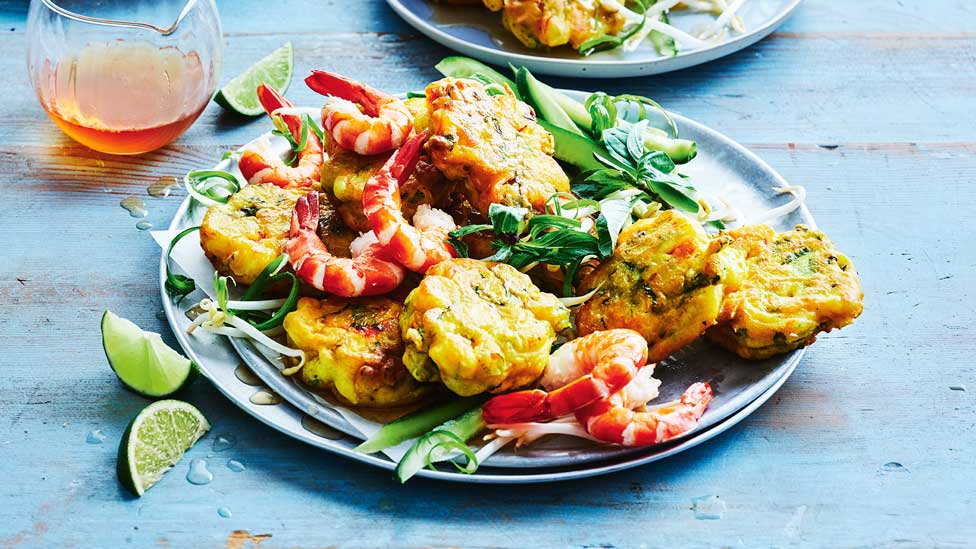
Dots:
pixel 328 83
pixel 271 99
pixel 517 407
pixel 403 163
pixel 305 217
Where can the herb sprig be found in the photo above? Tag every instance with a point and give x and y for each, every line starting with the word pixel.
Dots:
pixel 566 238
pixel 308 125
pixel 629 165
pixel 608 41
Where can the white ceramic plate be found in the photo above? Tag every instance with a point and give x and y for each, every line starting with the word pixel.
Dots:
pixel 722 167
pixel 474 31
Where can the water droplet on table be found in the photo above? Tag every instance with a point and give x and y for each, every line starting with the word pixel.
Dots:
pixel 135 206
pixel 316 427
pixel 266 397
pixel 95 437
pixel 199 474
pixel 708 508
pixel 894 467
pixel 247 376
pixel 224 512
pixel 161 315
pixel 224 442
pixel 235 466
pixel 162 187
pixel 144 225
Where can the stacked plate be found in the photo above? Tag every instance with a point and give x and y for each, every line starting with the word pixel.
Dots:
pixel 250 377
pixel 474 31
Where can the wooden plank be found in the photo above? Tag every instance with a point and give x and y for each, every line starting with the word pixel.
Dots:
pixel 815 89
pixel 868 104
pixel 300 16
pixel 809 467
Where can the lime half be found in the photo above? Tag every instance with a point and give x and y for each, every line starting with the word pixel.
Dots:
pixel 240 94
pixel 142 361
pixel 156 440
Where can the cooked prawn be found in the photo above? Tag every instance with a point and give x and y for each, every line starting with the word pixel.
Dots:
pixel 613 420
pixel 366 273
pixel 360 118
pixel 581 372
pixel 418 246
pixel 262 165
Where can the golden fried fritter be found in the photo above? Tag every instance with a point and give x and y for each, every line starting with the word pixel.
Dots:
pixel 555 23
pixel 492 146
pixel 795 285
pixel 663 281
pixel 353 348
pixel 479 326
pixel 242 236
pixel 345 173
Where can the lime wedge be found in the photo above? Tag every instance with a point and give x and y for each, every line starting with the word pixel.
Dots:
pixel 156 440
pixel 142 361
pixel 240 94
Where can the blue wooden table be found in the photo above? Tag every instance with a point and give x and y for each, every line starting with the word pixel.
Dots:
pixel 868 103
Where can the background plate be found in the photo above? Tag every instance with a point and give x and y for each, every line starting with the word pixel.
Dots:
pixel 722 167
pixel 474 31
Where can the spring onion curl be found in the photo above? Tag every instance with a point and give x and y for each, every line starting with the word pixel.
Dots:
pixel 211 187
pixel 446 442
pixel 177 285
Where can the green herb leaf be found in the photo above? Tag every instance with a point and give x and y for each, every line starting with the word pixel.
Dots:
pixel 506 219
pixel 614 216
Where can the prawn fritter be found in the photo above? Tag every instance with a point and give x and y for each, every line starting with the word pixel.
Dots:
pixel 555 23
pixel 663 281
pixel 492 146
pixel 479 326
pixel 242 236
pixel 796 285
pixel 353 348
pixel 345 173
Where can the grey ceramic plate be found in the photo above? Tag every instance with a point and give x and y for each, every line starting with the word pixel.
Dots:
pixel 722 167
pixel 474 31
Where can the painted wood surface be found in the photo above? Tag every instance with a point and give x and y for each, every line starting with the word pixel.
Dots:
pixel 871 443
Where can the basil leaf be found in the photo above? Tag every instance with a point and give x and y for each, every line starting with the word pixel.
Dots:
pixel 597 185
pixel 658 161
pixel 675 196
pixel 615 141
pixel 468 229
pixel 502 254
pixel 460 248
pixel 506 219
pixel 614 215
pixel 635 141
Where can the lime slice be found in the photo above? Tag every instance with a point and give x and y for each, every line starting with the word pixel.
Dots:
pixel 240 94
pixel 142 361
pixel 156 440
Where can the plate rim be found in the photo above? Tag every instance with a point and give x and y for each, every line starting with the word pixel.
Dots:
pixel 608 464
pixel 598 68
